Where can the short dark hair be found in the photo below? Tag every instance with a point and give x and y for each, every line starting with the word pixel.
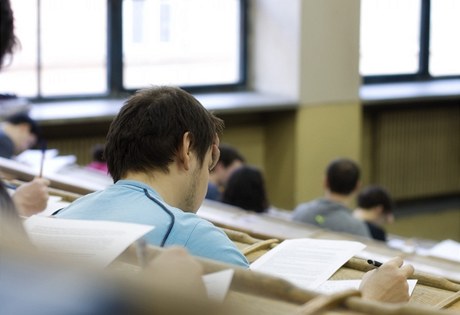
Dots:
pixel 246 189
pixel 374 195
pixel 229 154
pixel 147 132
pixel 342 176
pixel 24 118
pixel 8 40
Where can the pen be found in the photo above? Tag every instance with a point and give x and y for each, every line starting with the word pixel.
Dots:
pixel 42 162
pixel 374 263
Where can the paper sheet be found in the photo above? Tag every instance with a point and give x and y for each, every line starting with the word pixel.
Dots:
pixel 334 286
pixel 447 249
pixel 52 163
pixel 218 283
pixel 96 242
pixel 307 263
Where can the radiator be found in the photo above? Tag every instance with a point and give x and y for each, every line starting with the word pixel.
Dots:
pixel 416 152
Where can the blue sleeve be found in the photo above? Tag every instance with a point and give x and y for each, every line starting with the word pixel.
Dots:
pixel 214 244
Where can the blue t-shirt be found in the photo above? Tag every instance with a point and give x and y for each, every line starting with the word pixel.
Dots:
pixel 135 202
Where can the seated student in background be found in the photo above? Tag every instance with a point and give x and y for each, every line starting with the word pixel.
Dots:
pixel 246 189
pixel 160 149
pixel 18 133
pixel 332 210
pixel 230 160
pixel 375 207
pixel 98 161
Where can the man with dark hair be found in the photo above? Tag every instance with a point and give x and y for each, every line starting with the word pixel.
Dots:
pixel 375 208
pixel 18 133
pixel 230 160
pixel 332 211
pixel 160 149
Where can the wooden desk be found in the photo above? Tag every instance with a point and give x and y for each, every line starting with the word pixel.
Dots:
pixel 257 293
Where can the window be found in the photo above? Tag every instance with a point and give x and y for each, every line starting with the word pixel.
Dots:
pixel 75 48
pixel 445 49
pixel 180 42
pixel 406 40
pixel 62 51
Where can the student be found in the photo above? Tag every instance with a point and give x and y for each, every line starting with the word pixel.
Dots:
pixel 230 160
pixel 98 161
pixel 246 189
pixel 20 131
pixel 375 208
pixel 160 149
pixel 332 210
pixel 31 282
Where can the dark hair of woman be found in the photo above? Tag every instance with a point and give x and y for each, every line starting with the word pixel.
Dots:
pixel 246 189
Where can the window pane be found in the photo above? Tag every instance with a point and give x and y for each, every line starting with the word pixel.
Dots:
pixel 181 42
pixel 444 49
pixel 20 77
pixel 390 32
pixel 74 39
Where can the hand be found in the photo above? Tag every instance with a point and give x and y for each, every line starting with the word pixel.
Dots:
pixel 388 283
pixel 32 197
pixel 176 272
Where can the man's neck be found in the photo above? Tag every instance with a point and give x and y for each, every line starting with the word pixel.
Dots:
pixel 162 183
pixel 339 198
pixel 363 214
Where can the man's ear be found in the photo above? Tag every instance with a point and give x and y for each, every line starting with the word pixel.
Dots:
pixel 184 154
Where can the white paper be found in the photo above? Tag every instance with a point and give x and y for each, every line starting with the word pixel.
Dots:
pixel 307 263
pixel 96 242
pixel 218 283
pixel 334 286
pixel 447 249
pixel 52 162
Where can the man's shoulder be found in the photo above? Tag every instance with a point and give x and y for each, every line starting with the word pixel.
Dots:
pixel 309 206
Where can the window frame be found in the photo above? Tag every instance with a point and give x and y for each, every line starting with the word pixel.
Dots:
pixel 423 74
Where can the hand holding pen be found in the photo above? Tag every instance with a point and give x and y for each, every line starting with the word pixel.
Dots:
pixel 388 282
